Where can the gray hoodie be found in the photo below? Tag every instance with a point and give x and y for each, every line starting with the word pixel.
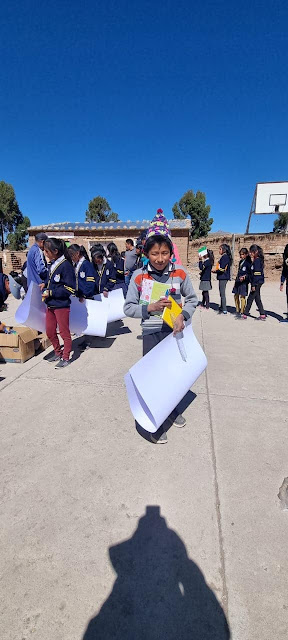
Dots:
pixel 176 278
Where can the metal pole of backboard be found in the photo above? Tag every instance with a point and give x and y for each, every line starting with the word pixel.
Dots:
pixel 251 212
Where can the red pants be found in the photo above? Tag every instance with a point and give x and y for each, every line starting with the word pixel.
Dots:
pixel 60 317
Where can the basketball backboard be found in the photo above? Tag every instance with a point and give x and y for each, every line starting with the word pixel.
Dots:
pixel 269 198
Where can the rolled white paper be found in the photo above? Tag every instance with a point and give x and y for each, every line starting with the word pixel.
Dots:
pixel 88 317
pixel 114 303
pixel 32 311
pixel 159 381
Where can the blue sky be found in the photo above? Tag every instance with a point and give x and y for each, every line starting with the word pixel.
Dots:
pixel 141 101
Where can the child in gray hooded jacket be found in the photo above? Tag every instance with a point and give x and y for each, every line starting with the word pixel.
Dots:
pixel 164 278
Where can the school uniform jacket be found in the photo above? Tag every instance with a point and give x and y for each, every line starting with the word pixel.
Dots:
pixel 205 270
pixel 119 268
pixel 223 271
pixel 244 271
pixel 85 279
pixel 178 283
pixel 61 284
pixel 105 279
pixel 257 272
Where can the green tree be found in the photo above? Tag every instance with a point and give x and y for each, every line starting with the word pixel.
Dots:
pixel 99 210
pixel 194 205
pixel 281 224
pixel 17 239
pixel 10 214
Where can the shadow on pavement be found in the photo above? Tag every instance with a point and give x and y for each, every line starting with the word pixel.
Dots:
pixel 275 315
pixel 117 329
pixel 215 307
pixel 94 343
pixel 159 593
pixel 181 407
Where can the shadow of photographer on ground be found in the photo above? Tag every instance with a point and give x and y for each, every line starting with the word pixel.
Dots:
pixel 159 593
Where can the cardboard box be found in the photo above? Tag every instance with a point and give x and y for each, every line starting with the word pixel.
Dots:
pixel 42 343
pixel 19 346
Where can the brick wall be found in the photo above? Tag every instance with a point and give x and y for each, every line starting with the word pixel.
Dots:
pixel 272 245
pixel 12 260
pixel 180 237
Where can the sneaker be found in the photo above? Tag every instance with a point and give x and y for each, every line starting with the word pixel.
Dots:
pixel 261 318
pixel 162 439
pixel 179 421
pixel 54 358
pixel 225 313
pixel 62 363
pixel 244 317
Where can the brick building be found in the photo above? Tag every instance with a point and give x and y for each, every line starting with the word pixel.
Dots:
pixel 87 233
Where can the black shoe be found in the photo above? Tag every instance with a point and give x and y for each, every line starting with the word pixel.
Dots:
pixel 54 358
pixel 62 363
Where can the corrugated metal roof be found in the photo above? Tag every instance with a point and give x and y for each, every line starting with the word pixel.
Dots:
pixel 95 226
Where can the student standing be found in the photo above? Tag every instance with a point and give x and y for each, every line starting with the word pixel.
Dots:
pixel 56 293
pixel 130 259
pixel 206 263
pixel 119 264
pixel 158 249
pixel 284 276
pixel 105 272
pixel 223 274
pixel 240 288
pixel 84 271
pixel 256 279
pixel 36 266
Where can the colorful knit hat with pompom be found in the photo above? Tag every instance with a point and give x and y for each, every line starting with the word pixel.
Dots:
pixel 159 226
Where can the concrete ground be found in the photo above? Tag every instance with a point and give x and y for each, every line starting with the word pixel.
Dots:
pixel 104 535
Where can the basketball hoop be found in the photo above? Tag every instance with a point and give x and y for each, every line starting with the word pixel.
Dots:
pixel 270 198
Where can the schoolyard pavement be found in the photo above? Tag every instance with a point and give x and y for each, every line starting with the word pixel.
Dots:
pixel 89 507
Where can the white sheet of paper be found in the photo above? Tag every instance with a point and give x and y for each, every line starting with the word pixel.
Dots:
pixel 159 381
pixel 32 311
pixel 114 303
pixel 97 319
pixel 88 317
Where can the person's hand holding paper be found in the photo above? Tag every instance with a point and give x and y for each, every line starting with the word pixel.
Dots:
pixel 160 305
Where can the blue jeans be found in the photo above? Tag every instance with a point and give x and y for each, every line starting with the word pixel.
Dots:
pixel 128 277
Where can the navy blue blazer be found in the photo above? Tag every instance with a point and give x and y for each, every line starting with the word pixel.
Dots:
pixel 205 267
pixel 223 272
pixel 257 272
pixel 105 279
pixel 85 279
pixel 61 284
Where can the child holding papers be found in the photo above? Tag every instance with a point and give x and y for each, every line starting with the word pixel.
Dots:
pixel 148 293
